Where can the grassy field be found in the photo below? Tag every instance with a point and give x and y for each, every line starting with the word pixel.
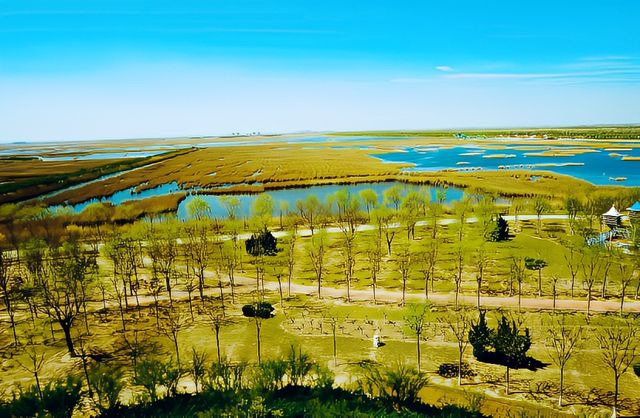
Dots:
pixel 303 320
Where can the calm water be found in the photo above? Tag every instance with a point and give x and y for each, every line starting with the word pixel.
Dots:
pixel 596 167
pixel 290 196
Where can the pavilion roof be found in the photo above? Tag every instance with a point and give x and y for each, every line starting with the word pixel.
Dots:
pixel 612 212
pixel 635 207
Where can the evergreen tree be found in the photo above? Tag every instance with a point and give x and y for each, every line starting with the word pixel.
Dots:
pixel 500 231
pixel 263 243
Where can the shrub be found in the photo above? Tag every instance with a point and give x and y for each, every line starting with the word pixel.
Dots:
pixel 450 370
pixel 269 375
pixel 23 404
pixel 60 397
pixel 260 309
pixel 300 366
pixel 226 376
pixel 399 383
pixel 107 383
pixel 263 243
pixel 151 373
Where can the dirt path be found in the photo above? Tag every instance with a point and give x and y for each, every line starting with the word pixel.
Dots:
pixel 245 285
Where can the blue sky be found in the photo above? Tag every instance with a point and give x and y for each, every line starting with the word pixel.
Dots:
pixel 119 69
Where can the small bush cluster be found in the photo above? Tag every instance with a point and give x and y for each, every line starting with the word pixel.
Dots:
pixel 260 309
pixel 450 370
pixel 57 399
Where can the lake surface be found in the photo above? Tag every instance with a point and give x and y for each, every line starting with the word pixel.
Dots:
pixel 290 196
pixel 598 166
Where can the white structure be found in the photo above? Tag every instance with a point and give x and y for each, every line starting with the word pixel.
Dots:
pixel 612 218
pixel 376 341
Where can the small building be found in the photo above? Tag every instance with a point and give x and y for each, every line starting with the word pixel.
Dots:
pixel 634 213
pixel 612 218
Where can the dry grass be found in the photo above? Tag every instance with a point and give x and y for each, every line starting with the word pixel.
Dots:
pixel 253 169
pixel 11 170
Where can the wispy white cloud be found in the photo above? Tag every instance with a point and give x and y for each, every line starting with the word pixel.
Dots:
pixel 608 58
pixel 444 68
pixel 633 72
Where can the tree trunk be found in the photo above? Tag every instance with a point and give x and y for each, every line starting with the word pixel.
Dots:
pixel 539 283
pixel 460 368
pixel 373 285
pixel 418 347
pixel 280 288
pixel 175 343
pixel 217 328
pixel 201 283
pixel 348 288
pixel 615 396
pixel 258 340
pixel 335 345
pixel 561 386
pixel 507 380
pixel 404 290
pixel 426 286
pixel 67 337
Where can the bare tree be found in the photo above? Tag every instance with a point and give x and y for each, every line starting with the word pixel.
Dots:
pixel 198 249
pixel 34 362
pixel 562 341
pixel 291 258
pixel 62 297
pixel 410 212
pixel 459 324
pixel 163 251
pixel 383 218
pixel 518 272
pixel 310 210
pixel 618 348
pixel 592 267
pixel 481 263
pixel 374 258
pixel 172 323
pixel 316 251
pixel 404 261
pixel 416 322
pixel 625 271
pixel 348 257
pixel 517 205
pixel 460 253
pixel 8 288
pixel 573 260
pixel 540 206
pixel 217 320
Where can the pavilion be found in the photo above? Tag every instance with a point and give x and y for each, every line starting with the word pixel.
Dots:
pixel 612 218
pixel 634 213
